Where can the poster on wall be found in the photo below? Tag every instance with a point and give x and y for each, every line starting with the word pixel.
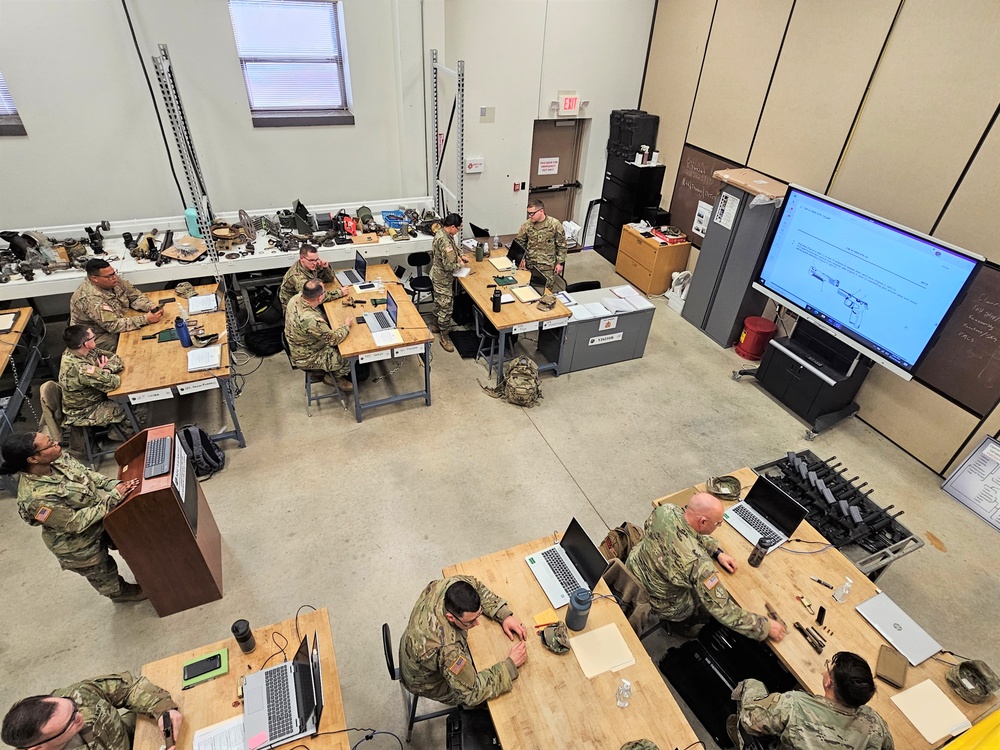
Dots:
pixel 701 217
pixel 548 165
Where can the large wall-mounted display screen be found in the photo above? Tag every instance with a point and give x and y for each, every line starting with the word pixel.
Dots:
pixel 880 287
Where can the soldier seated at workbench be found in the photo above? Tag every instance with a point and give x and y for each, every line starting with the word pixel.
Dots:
pixel 86 375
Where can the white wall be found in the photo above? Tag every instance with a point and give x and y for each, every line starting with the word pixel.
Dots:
pixel 518 55
pixel 93 149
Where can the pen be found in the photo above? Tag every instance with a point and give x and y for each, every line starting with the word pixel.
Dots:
pixel 821 582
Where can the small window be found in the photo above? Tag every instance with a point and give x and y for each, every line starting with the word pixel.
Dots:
pixel 293 60
pixel 10 121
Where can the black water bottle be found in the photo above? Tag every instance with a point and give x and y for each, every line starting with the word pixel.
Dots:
pixel 496 300
pixel 759 552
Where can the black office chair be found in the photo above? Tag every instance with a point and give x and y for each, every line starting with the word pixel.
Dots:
pixel 312 377
pixel 583 286
pixel 409 699
pixel 489 338
pixel 420 285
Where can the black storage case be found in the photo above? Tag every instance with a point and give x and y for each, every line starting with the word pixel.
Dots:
pixel 630 129
pixel 471 729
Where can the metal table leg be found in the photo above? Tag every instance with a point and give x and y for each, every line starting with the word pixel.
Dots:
pixel 427 372
pixel 227 395
pixel 357 397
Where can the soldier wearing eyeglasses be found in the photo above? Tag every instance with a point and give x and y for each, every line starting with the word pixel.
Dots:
pixel 110 305
pixel 544 241
pixel 99 714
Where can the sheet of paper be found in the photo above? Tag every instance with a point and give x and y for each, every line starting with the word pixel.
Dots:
pixel 640 303
pixel 597 310
pixel 505 298
pixel 602 650
pixel 931 711
pixel 616 304
pixel 581 312
pixel 625 291
pixel 387 338
pixel 7 321
pixel 226 735
pixel 203 303
pixel 209 358
pixel 461 272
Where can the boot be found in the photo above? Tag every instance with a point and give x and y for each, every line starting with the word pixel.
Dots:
pixel 446 343
pixel 130 592
pixel 345 385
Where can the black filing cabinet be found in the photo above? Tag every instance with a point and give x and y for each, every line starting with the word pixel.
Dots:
pixel 628 192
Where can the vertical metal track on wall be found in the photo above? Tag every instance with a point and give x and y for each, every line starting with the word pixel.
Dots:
pixel 197 193
pixel 458 111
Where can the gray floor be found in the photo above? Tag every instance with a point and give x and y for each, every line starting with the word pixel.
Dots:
pixel 358 518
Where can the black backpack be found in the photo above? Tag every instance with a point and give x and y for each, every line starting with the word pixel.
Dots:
pixel 206 457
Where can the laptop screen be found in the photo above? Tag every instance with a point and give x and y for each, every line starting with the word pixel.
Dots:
pixel 304 680
pixel 392 308
pixel 775 505
pixel 360 265
pixel 317 673
pixel 516 252
pixel 583 553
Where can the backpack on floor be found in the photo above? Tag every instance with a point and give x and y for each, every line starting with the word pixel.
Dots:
pixel 520 385
pixel 206 457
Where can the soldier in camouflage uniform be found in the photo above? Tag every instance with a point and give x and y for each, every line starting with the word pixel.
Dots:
pixel 434 656
pixel 86 375
pixel 799 721
pixel 674 562
pixel 311 342
pixel 109 305
pixel 446 257
pixel 544 241
pixel 87 714
pixel 69 502
pixel 308 266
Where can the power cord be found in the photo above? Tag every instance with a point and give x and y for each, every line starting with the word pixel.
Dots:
pixel 297 636
pixel 805 552
pixel 281 649
pixel 371 733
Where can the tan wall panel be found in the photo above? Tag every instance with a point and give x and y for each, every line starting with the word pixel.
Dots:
pixel 742 49
pixel 824 67
pixel 932 98
pixel 925 425
pixel 971 220
pixel 680 34
pixel 991 425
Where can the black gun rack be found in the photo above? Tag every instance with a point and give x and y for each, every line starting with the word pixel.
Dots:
pixel 842 510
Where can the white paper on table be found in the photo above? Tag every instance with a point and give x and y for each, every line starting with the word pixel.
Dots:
pixel 640 303
pixel 597 310
pixel 616 305
pixel 580 312
pixel 625 291
pixel 566 298
pixel 505 298
pixel 931 711
pixel 601 650
pixel 461 272
pixel 226 735
pixel 387 338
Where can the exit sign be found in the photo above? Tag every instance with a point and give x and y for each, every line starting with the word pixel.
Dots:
pixel 569 104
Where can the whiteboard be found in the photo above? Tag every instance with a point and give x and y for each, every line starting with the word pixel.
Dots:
pixel 976 483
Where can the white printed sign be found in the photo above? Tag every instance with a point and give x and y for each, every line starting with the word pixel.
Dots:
pixel 200 385
pixel 375 356
pixel 548 165
pixel 725 214
pixel 558 323
pixel 701 218
pixel 607 339
pixel 406 351
pixel 525 327
pixel 608 324
pixel 160 394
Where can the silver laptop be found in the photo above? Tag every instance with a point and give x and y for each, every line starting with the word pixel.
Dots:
pixel 355 275
pixel 283 702
pixel 768 511
pixel 383 320
pixel 897 627
pixel 574 563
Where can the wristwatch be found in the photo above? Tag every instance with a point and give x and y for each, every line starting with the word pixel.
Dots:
pixel 718 551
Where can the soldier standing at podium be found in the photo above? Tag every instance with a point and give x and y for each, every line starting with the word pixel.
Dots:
pixel 69 502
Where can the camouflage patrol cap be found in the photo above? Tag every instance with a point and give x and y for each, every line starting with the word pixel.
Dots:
pixel 185 289
pixel 725 488
pixel 556 638
pixel 546 302
pixel 640 745
pixel 973 680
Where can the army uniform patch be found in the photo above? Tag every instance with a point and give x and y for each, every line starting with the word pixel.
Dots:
pixel 43 513
pixel 712 581
pixel 458 666
pixel 90 370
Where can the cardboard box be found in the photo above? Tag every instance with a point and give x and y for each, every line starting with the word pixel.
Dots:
pixel 753 182
pixel 364 238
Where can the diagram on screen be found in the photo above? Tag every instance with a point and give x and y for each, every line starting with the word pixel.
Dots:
pixel 856 304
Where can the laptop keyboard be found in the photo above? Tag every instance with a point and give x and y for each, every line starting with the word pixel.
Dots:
pixel 279 703
pixel 757 523
pixel 157 457
pixel 383 320
pixel 562 573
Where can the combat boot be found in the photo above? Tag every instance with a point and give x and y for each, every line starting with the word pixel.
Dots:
pixel 345 385
pixel 130 592
pixel 446 343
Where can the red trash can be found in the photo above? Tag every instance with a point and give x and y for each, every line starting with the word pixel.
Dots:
pixel 757 331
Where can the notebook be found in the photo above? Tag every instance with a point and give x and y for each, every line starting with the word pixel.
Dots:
pixel 767 511
pixel 502 264
pixel 525 293
pixel 574 563
pixel 209 358
pixel 203 303
pixel 284 702
pixel 897 627
pixel 355 275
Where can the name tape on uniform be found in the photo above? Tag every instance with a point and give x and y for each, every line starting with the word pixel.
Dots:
pixel 559 323
pixel 201 385
pixel 598 340
pixel 160 394
pixel 375 356
pixel 406 351
pixel 525 327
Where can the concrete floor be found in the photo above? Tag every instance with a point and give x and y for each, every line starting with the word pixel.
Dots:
pixel 359 517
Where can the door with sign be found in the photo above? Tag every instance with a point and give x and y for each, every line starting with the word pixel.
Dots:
pixel 555 160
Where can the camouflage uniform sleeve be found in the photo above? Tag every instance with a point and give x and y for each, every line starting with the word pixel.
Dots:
pixel 100 480
pixel 98 377
pixel 288 288
pixel 331 336
pixel 326 275
pixel 445 256
pixel 41 511
pixel 139 695
pixel 494 607
pixel 96 309
pixel 758 712
pixel 522 233
pixel 115 363
pixel 473 687
pixel 711 592
pixel 136 299
pixel 560 238
pixel 332 294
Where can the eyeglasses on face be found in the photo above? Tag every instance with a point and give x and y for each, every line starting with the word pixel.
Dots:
pixel 51 444
pixel 111 275
pixel 532 213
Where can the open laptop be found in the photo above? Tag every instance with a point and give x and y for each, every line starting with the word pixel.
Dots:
pixel 283 702
pixel 354 275
pixel 516 252
pixel 897 627
pixel 767 510
pixel 479 233
pixel 383 320
pixel 574 563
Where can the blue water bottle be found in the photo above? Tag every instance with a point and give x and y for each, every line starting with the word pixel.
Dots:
pixel 579 609
pixel 183 335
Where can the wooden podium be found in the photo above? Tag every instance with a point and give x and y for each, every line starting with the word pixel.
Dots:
pixel 165 531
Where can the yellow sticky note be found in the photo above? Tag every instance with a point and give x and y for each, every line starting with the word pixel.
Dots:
pixel 546 617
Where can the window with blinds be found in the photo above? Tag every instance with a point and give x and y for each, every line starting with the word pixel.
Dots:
pixel 10 121
pixel 293 60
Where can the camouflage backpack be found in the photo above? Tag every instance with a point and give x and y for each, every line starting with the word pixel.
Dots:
pixel 620 541
pixel 521 386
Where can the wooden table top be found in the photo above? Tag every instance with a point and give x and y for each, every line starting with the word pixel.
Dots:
pixel 412 327
pixel 210 702
pixel 150 364
pixel 512 313
pixel 9 340
pixel 552 704
pixel 784 575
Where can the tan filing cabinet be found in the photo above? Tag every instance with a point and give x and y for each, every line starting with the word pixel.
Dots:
pixel 648 264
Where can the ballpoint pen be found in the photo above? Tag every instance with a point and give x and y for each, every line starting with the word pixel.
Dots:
pixel 821 582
